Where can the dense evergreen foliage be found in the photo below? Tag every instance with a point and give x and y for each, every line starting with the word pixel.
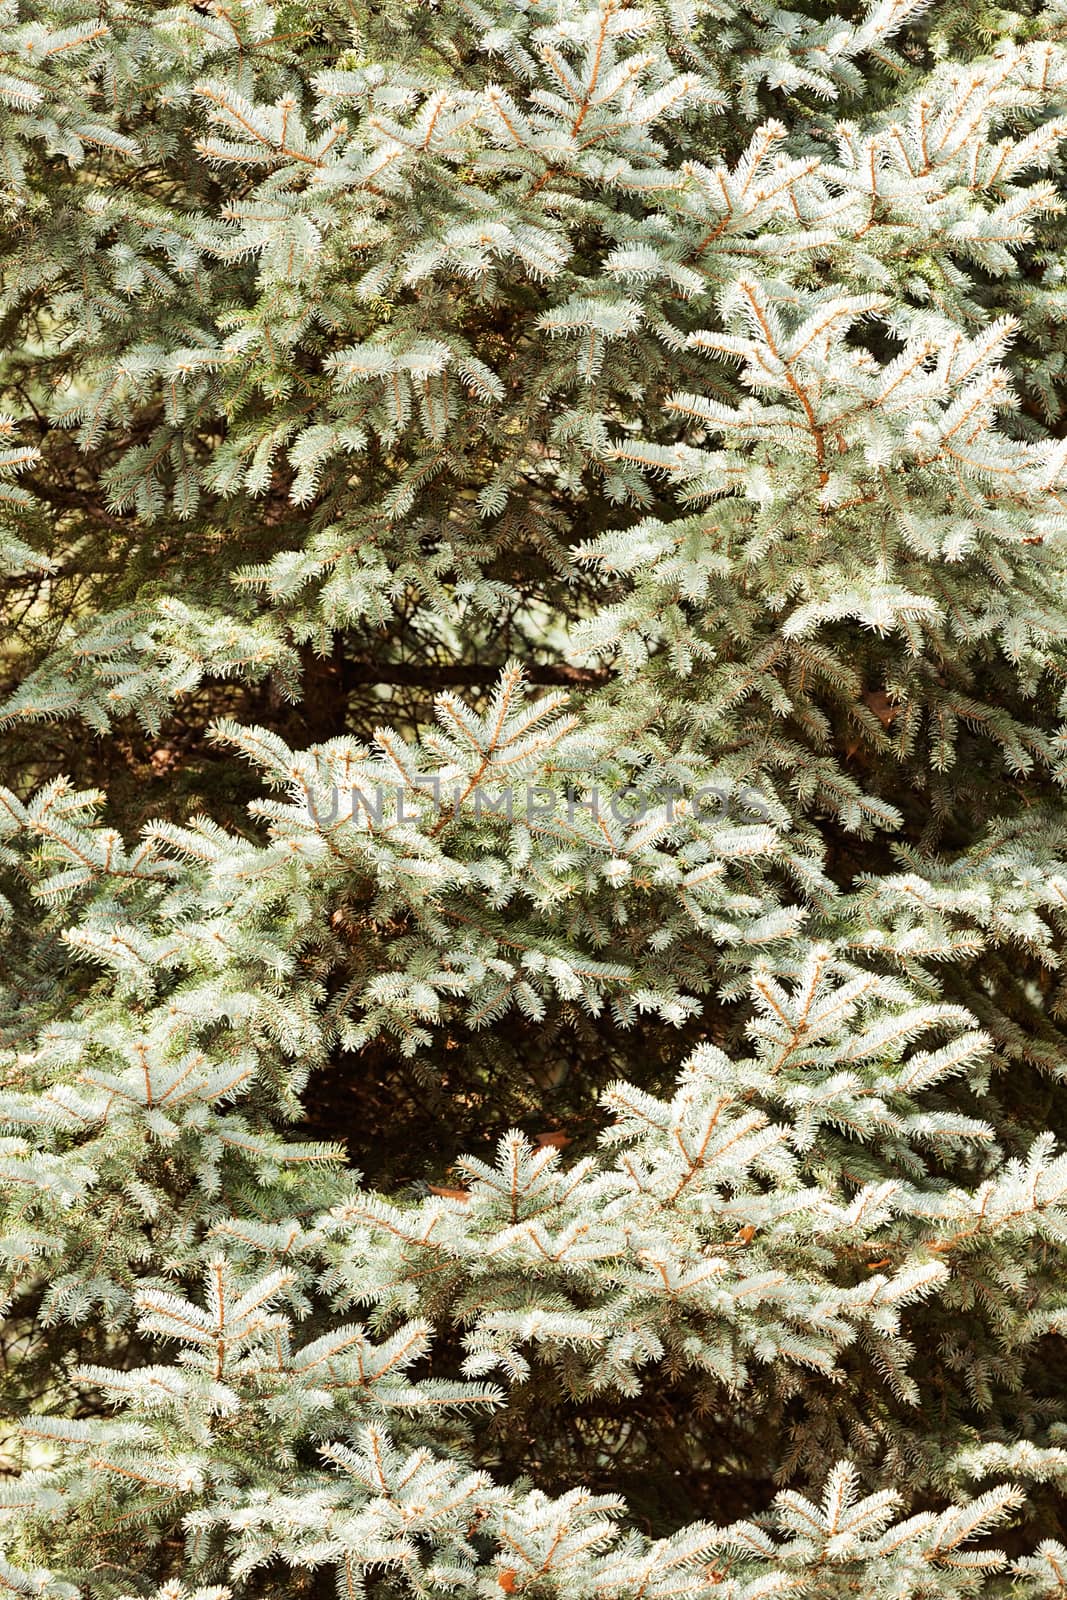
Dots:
pixel 534 716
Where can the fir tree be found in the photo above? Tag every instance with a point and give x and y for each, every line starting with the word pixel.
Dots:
pixel 534 717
